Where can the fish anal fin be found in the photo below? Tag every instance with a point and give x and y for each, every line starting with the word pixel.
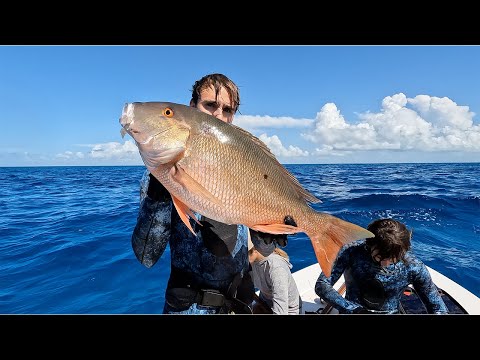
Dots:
pixel 329 235
pixel 326 256
pixel 184 212
pixel 276 228
pixel 184 179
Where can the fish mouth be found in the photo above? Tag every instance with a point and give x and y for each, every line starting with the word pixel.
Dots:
pixel 127 119
pixel 127 115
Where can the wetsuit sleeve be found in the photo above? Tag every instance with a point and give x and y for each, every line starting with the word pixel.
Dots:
pixel 324 286
pixel 152 231
pixel 427 290
pixel 280 286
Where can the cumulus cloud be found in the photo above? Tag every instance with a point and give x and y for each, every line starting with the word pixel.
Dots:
pixel 423 123
pixel 114 150
pixel 277 148
pixel 126 153
pixel 69 155
pixel 404 129
pixel 331 129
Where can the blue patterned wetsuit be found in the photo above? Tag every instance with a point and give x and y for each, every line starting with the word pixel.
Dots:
pixel 210 260
pixel 377 288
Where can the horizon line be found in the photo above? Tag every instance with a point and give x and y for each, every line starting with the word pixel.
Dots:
pixel 377 163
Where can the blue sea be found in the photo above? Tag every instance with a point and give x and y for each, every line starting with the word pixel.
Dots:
pixel 65 231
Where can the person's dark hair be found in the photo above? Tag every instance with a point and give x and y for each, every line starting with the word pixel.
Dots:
pixel 217 81
pixel 392 238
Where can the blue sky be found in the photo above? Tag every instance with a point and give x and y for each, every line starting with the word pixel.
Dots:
pixel 309 104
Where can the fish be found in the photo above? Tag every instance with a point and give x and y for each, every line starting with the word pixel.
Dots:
pixel 225 173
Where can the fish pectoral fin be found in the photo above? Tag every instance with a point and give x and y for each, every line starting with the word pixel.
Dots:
pixel 276 228
pixel 184 179
pixel 184 212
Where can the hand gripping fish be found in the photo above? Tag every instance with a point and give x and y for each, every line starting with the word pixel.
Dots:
pixel 227 174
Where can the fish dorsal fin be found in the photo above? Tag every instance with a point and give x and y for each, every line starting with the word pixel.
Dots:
pixel 301 191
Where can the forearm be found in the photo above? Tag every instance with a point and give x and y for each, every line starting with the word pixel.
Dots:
pixel 430 296
pixel 153 228
pixel 152 231
pixel 433 301
pixel 327 292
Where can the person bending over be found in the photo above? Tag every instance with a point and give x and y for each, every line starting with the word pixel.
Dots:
pixel 376 272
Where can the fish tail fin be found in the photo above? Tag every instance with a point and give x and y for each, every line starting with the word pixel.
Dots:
pixel 328 234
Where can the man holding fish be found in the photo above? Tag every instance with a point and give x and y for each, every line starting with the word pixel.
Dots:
pixel 209 259
pixel 217 175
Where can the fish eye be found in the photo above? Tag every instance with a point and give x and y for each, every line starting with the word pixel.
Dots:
pixel 168 112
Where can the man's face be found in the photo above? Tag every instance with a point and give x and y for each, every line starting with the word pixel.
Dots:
pixel 221 108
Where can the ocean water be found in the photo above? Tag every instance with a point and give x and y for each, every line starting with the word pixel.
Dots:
pixel 65 231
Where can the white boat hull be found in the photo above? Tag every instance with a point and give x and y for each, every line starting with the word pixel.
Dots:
pixel 307 277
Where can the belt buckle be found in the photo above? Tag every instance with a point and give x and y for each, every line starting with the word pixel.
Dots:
pixel 212 298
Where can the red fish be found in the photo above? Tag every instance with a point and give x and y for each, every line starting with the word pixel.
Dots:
pixel 227 174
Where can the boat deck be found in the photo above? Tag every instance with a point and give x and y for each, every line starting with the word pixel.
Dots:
pixel 456 297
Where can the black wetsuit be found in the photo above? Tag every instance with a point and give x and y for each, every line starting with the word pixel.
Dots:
pixel 214 261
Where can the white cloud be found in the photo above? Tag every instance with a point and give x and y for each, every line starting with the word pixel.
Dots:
pixel 327 150
pixel 331 129
pixel 111 152
pixel 115 150
pixel 69 155
pixel 429 124
pixel 250 123
pixel 443 112
pixel 420 129
pixel 276 147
